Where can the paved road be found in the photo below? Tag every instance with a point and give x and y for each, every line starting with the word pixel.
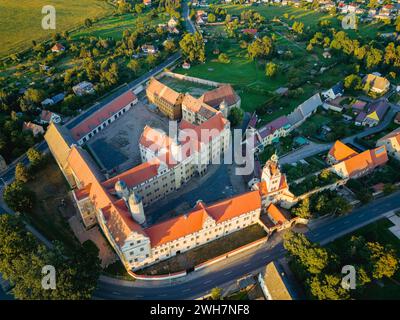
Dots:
pixel 224 274
pixel 315 148
pixel 188 23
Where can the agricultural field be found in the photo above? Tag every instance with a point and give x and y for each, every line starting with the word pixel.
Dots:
pixel 21 21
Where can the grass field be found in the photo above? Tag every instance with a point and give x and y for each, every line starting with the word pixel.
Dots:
pixel 21 21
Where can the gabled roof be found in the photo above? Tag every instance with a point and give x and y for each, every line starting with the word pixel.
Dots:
pixel 378 108
pixel 310 105
pixel 274 125
pixel 276 214
pixel 341 152
pixel 366 160
pixel 192 222
pixel 394 134
pixel 102 115
pixel 275 283
pixel 135 175
pixel 164 92
pixel 58 47
pixel 376 82
pixel 222 93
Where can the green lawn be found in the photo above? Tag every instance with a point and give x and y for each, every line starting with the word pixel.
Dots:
pixel 113 26
pixel 21 21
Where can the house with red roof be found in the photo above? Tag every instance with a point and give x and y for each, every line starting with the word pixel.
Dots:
pixel 103 117
pixel 58 47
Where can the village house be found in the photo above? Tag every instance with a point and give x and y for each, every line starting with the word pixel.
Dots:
pixel 336 91
pixel 83 88
pixel 149 49
pixel 359 164
pixel 271 132
pixel 58 47
pixel 377 84
pixel 103 117
pixel 33 127
pixel 392 143
pixel 275 284
pixel 374 113
pixel 47 116
pixel 53 100
pixel 339 152
pixel 167 100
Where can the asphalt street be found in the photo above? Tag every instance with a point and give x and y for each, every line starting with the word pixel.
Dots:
pixel 222 274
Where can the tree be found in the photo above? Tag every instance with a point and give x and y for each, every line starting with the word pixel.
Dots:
pixel 134 65
pixel 271 69
pixel 298 27
pixel 211 18
pixel 34 156
pixel 192 46
pixel 223 58
pixel 260 48
pixel 21 173
pixel 327 287
pixel 216 293
pixel 169 45
pixel 383 260
pixel 235 116
pixel 353 82
pixel 18 197
pixel 303 210
pixel 22 259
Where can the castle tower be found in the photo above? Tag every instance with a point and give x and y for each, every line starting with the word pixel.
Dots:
pixel 223 107
pixel 271 174
pixel 121 189
pixel 136 208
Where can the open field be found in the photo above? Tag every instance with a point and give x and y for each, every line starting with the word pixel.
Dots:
pixel 21 21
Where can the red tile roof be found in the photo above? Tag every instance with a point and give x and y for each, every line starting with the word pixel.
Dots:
pixel 102 115
pixel 276 214
pixel 216 96
pixel 341 152
pixel 192 222
pixel 135 175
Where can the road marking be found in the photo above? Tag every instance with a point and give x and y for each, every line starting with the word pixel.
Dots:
pixel 138 296
pixel 346 222
pixel 228 272
pixel 331 228
pixel 117 293
pixel 186 290
pixel 162 295
pixel 267 256
pixel 207 282
pixel 246 265
pixel 361 215
pixel 316 234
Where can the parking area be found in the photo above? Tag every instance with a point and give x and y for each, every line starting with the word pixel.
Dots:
pixel 116 148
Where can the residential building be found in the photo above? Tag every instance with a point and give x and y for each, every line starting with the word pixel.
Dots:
pixel 271 132
pixel 275 284
pixel 377 84
pixel 47 116
pixel 361 163
pixel 103 117
pixel 149 49
pixel 336 91
pixel 392 143
pixel 167 100
pixel 339 152
pixel 83 88
pixel 53 100
pixel 305 110
pixel 373 114
pixel 58 47
pixel 33 127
